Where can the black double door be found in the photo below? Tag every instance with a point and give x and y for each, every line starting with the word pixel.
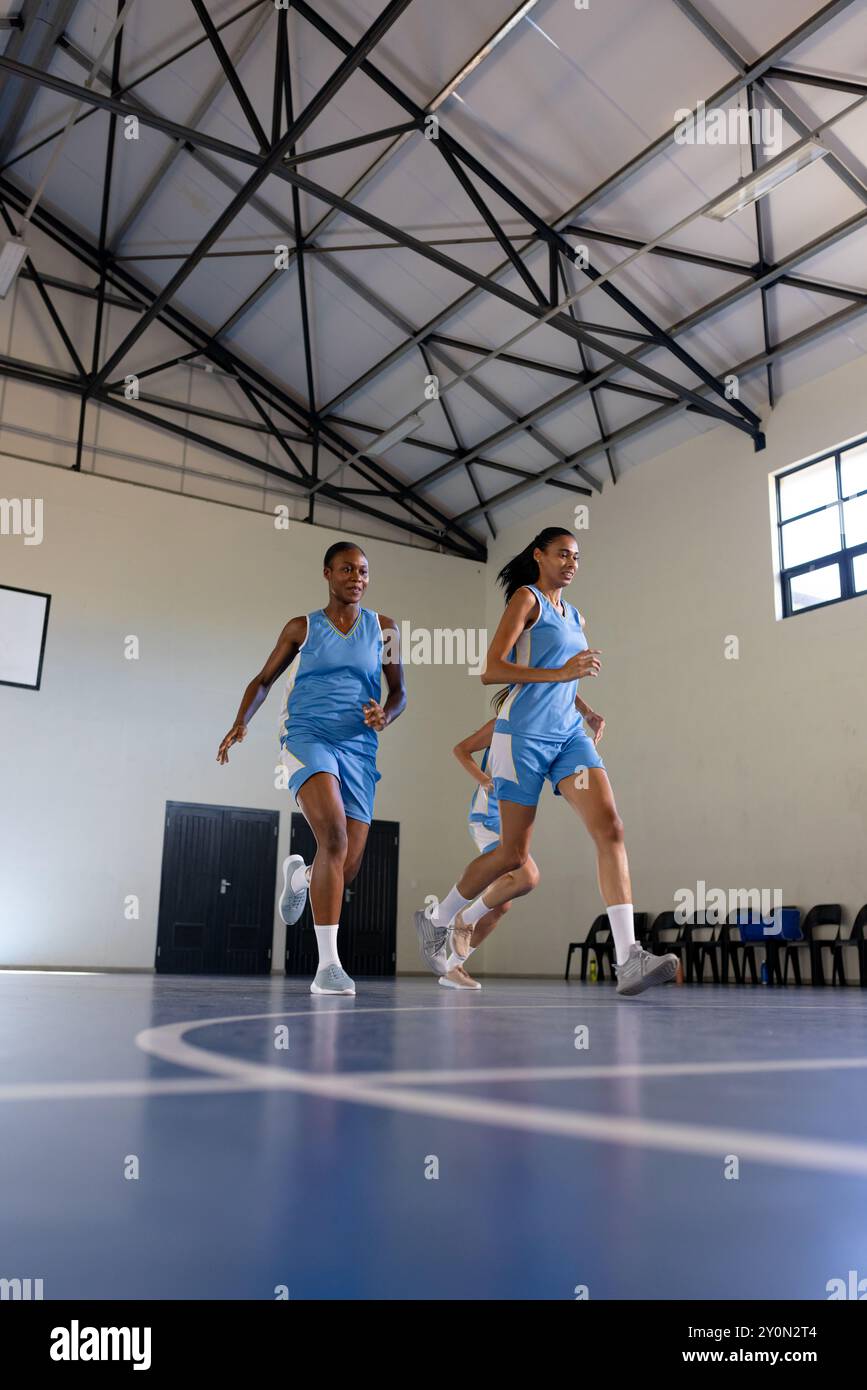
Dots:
pixel 368 920
pixel 217 893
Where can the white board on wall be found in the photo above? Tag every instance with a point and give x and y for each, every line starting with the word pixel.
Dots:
pixel 23 628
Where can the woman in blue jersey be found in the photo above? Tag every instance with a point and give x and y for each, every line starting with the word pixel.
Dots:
pixel 328 736
pixel 541 734
pixel 484 827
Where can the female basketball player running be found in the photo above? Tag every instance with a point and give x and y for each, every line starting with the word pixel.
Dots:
pixel 329 726
pixel 540 649
pixel 484 826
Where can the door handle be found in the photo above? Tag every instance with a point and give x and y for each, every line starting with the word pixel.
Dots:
pixel 224 884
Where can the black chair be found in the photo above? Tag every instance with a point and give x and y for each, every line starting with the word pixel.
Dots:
pixel 702 943
pixel 858 938
pixel 770 943
pixel 822 915
pixel 600 941
pixel 666 937
pixel 741 953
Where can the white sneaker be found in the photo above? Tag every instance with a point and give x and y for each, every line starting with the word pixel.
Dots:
pixel 641 970
pixel 292 901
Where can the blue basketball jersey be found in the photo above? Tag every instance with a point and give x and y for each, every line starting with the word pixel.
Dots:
pixel 545 711
pixel 484 806
pixel 332 677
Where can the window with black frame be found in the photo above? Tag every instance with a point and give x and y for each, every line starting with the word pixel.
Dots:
pixel 822 529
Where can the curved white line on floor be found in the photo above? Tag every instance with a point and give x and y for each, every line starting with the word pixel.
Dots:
pixel 780 1150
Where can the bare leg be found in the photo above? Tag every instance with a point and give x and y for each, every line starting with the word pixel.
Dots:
pixel 319 799
pixel 595 805
pixel 499 898
pixel 516 824
pixel 357 832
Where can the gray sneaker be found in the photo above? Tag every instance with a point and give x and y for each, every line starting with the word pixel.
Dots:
pixel 641 970
pixel 292 903
pixel 431 942
pixel 333 979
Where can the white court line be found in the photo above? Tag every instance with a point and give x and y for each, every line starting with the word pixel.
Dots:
pixel 116 1090
pixel 152 1086
pixel 604 1071
pixel 780 1150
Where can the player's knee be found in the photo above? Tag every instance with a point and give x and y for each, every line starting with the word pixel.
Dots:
pixel 334 842
pixel 531 874
pixel 611 831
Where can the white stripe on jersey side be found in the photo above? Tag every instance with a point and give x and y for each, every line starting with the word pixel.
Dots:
pixel 290 762
pixel 502 763
pixel 482 836
pixel 290 679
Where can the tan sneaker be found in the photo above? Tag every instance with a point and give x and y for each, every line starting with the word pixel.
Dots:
pixel 459 979
pixel 467 978
pixel 461 937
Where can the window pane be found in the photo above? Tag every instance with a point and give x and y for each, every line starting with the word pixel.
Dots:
pixel 859 566
pixel 811 537
pixel 808 488
pixel 853 470
pixel 855 521
pixel 819 586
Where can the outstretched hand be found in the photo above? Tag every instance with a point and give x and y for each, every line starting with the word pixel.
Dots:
pixel 236 734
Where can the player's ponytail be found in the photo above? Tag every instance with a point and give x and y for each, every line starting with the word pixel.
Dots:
pixel 522 568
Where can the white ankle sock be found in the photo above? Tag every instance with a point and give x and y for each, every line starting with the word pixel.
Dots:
pixel 622 929
pixel 446 911
pixel 471 915
pixel 454 959
pixel 326 940
pixel 300 878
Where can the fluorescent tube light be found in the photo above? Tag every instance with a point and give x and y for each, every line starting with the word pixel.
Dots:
pixel 393 436
pixel 12 255
pixel 763 181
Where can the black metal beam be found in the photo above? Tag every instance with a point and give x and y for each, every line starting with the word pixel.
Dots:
pixel 440 527
pixel 103 236
pixel 755 149
pixel 63 41
pixel 769 277
pixel 815 79
pixel 743 418
pixel 286 75
pixel 585 365
pixel 660 145
pixel 488 217
pixel 231 72
pixel 32 42
pixel 452 424
pixel 30 272
pixel 269 165
pixel 56 380
pixel 543 229
pixel 480 461
pixel 656 417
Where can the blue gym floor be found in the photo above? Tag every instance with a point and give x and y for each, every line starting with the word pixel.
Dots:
pixel 305 1167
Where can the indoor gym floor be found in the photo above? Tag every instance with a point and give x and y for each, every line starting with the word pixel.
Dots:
pixel 305 1167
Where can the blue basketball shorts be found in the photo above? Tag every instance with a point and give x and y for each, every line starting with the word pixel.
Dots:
pixel 355 770
pixel 520 764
